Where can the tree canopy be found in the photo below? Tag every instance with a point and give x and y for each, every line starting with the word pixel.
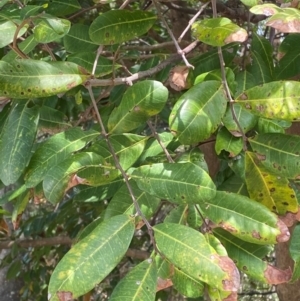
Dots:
pixel 152 138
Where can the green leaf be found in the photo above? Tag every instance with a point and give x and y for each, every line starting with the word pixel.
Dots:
pixel 275 100
pixel 14 269
pixel 246 120
pixel 226 141
pixel 30 10
pixel 244 80
pixel 138 284
pixel 55 150
pixel 191 120
pixel 62 7
pixel 265 125
pixel 294 249
pixel 121 202
pixel 200 260
pixel 267 9
pixel 251 3
pixel 63 176
pixel 179 183
pixel 118 26
pixel 234 184
pixel 218 31
pixel 77 40
pixel 16 141
pixel 245 219
pixel 247 256
pixel 33 78
pixel 100 193
pixel 140 101
pixel 50 29
pixel 7 32
pixel 268 189
pixel 52 120
pixel 289 65
pixel 279 153
pixel 86 60
pixel 128 148
pixel 92 258
pixel 186 285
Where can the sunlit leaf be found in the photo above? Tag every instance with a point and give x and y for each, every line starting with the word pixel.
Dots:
pixel 92 258
pixel 7 32
pixel 268 189
pixel 191 120
pixel 245 219
pixel 218 31
pixel 276 100
pixel 179 183
pixel 200 260
pixel 140 101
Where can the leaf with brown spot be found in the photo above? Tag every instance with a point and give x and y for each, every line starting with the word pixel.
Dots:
pixel 266 188
pixel 238 36
pixel 284 232
pixel 267 9
pixel 277 276
pixel 250 220
pixel 290 218
pixel 287 21
pixel 64 296
pixel 163 284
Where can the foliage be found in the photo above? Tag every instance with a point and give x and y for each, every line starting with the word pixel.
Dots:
pixel 101 140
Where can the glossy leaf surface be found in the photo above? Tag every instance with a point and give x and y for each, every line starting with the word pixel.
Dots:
pixel 245 219
pixel 140 101
pixel 200 261
pixel 190 120
pixel 179 183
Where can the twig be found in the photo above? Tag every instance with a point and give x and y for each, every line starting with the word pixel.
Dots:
pixel 126 2
pixel 15 45
pixel 142 74
pixel 179 50
pixel 156 136
pixel 150 47
pixel 48 49
pixel 60 240
pixel 193 20
pixel 99 51
pixel 82 11
pixel 225 83
pixel 119 167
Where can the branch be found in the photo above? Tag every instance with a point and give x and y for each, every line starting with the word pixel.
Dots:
pixel 60 240
pixel 142 74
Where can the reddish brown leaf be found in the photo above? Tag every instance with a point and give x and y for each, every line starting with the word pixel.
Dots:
pixel 232 297
pixel 232 283
pixel 64 296
pixel 290 218
pixel 284 26
pixel 276 276
pixel 74 181
pixel 284 232
pixel 163 283
pixel 238 36
pixel 178 78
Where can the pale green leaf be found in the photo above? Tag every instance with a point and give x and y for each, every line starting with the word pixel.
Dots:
pixel 16 141
pixel 294 249
pixel 118 26
pixel 218 31
pixel 7 32
pixel 92 258
pixel 179 183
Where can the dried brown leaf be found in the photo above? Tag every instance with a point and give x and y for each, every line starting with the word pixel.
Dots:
pixel 238 36
pixel 284 232
pixel 286 27
pixel 178 78
pixel 274 275
pixel 64 296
